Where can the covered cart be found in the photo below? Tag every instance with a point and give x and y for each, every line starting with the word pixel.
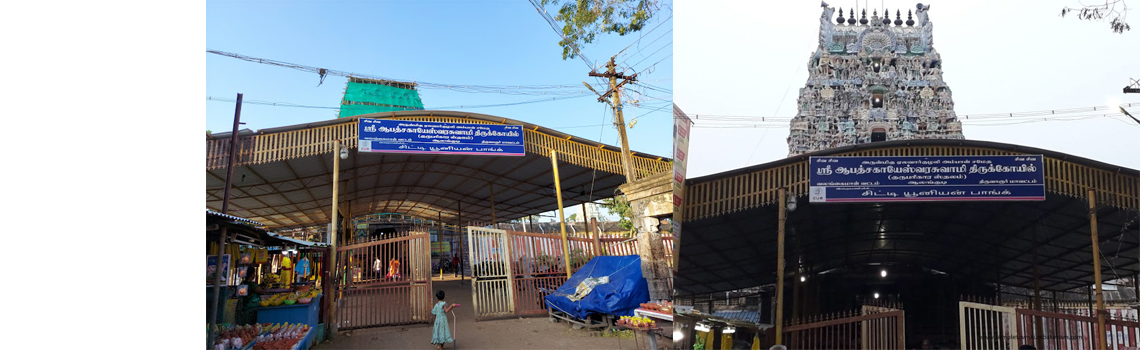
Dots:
pixel 606 287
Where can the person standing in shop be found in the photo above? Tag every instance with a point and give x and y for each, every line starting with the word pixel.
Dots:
pixel 455 264
pixel 246 312
pixel 286 270
pixel 394 269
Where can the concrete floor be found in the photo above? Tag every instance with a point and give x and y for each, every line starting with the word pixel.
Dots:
pixel 517 333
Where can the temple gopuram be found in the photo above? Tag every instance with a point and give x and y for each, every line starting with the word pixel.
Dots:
pixel 873 79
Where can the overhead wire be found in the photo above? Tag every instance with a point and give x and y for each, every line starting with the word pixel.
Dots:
pixel 777 125
pixel 643 35
pixel 553 25
pixel 980 116
pixel 782 99
pixel 287 104
pixel 549 89
pixel 651 55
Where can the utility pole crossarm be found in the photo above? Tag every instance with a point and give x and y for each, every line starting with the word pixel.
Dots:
pixel 610 73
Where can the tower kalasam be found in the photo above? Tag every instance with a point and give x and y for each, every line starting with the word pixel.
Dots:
pixel 872 79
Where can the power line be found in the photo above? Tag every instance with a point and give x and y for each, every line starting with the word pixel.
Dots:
pixel 266 103
pixel 551 89
pixel 642 36
pixel 654 87
pixel 553 25
pixel 648 45
pixel 654 52
pixel 650 68
pixel 981 116
pixel 778 124
pixel 515 103
pixel 287 104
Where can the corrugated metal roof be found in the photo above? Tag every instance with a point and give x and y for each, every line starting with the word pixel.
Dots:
pixel 297 241
pixel 745 316
pixel 270 238
pixel 210 213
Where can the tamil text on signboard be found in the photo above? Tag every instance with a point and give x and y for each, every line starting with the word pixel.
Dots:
pixel 945 178
pixel 406 136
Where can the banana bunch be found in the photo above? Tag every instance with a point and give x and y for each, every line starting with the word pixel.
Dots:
pixel 637 322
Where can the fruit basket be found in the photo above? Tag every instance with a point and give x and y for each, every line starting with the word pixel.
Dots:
pixel 305 300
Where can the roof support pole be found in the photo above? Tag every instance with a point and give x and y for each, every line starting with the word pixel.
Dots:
pixel 596 233
pixel 330 287
pixel 1039 339
pixel 1056 322
pixel 783 215
pixel 1101 338
pixel 225 210
pixel 493 219
pixel 561 213
pixel 459 223
pixel 439 239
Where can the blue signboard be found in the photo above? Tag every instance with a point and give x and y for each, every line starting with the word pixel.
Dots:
pixel 942 178
pixel 406 136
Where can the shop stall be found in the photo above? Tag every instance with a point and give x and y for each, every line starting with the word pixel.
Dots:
pixel 721 330
pixel 268 288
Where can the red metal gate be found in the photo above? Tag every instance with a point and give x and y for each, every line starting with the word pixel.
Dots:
pixel 536 265
pixel 873 329
pixel 539 267
pixel 1054 330
pixel 369 297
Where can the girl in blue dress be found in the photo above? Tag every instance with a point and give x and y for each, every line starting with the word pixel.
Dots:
pixel 440 334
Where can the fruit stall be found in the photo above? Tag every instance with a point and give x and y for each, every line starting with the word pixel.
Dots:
pixel 267 280
pixel 652 318
pixel 265 336
pixel 300 306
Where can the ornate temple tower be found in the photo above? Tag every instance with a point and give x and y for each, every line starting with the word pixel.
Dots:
pixel 870 80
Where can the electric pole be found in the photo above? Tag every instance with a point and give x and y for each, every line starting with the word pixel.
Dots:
pixel 615 90
pixel 1133 87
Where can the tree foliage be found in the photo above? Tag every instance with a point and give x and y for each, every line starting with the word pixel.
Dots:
pixel 1115 11
pixel 620 207
pixel 584 20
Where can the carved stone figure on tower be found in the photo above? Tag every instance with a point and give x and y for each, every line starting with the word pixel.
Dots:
pixel 826 28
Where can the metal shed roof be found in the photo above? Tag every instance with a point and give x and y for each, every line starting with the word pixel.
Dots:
pixel 283 176
pixel 731 241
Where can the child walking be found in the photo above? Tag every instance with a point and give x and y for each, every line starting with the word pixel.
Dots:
pixel 440 334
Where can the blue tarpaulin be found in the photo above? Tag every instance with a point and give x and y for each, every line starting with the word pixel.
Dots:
pixel 626 289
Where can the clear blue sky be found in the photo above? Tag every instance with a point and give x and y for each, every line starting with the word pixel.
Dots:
pixel 456 42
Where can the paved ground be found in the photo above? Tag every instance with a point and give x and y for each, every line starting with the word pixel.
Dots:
pixel 525 333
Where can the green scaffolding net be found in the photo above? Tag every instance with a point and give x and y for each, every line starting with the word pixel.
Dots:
pixel 363 96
